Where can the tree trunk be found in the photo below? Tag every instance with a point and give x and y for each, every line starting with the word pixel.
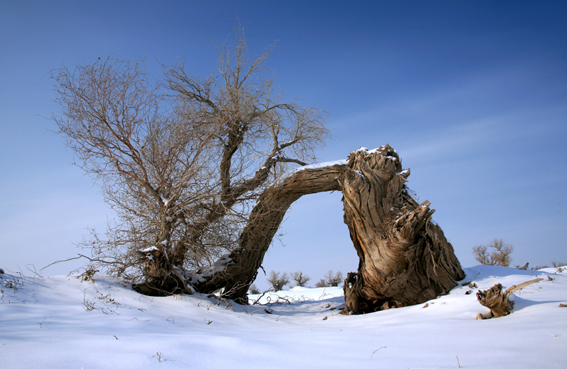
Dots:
pixel 264 221
pixel 404 256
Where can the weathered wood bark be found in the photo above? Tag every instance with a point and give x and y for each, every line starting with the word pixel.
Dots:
pixel 350 293
pixel 404 257
pixel 264 221
pixel 498 301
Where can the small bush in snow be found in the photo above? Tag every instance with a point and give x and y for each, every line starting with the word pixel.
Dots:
pixel 278 281
pixel 322 283
pixel 334 279
pixel 500 255
pixel 300 278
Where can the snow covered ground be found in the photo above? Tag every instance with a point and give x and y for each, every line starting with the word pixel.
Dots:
pixel 61 322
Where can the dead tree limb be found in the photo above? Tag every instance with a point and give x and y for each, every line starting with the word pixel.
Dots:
pixel 498 301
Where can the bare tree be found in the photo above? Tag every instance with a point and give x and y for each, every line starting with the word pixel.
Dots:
pixel 181 169
pixel 300 278
pixel 499 256
pixel 278 280
pixel 322 283
pixel 481 254
pixel 254 289
pixel 333 279
pixel 195 176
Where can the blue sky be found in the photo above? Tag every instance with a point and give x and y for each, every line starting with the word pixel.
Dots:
pixel 472 95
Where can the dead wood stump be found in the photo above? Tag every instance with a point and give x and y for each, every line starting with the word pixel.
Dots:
pixel 405 258
pixel 498 301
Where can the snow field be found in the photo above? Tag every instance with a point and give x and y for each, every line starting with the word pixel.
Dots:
pixel 61 322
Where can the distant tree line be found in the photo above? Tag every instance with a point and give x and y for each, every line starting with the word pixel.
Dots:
pixel 499 253
pixel 278 280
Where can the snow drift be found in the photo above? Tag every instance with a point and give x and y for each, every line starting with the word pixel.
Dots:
pixel 61 322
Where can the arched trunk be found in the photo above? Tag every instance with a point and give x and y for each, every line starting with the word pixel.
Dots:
pixel 265 219
pixel 404 257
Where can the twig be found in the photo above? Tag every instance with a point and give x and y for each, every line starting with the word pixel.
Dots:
pixel 34 270
pixel 373 352
pixel 61 261
pixel 83 256
pixel 258 299
pixel 159 356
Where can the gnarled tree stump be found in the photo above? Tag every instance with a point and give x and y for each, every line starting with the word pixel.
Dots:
pixel 405 258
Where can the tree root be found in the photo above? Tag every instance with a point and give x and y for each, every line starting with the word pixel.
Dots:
pixel 498 301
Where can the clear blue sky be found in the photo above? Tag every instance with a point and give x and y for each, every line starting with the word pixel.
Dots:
pixel 472 95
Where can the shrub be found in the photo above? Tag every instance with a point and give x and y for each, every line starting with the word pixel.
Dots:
pixel 322 283
pixel 334 279
pixel 499 256
pixel 278 281
pixel 253 290
pixel 300 278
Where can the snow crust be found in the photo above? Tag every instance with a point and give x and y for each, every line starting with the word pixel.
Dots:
pixel 150 249
pixel 280 180
pixel 377 150
pixel 61 322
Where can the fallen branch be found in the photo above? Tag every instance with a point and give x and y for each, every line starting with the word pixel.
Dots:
pixel 498 301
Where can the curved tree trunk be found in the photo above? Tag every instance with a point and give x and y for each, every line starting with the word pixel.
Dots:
pixel 264 221
pixel 404 257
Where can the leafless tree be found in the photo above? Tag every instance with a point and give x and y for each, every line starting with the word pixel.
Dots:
pixel 331 279
pixel 300 278
pixel 500 254
pixel 334 279
pixel 183 168
pixel 194 172
pixel 254 289
pixel 278 280
pixel 322 283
